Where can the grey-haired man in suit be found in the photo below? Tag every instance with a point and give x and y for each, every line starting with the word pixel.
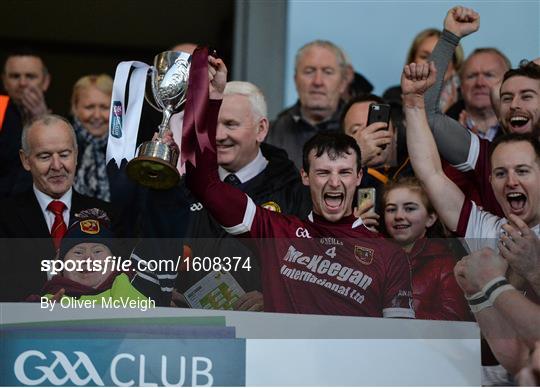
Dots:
pixel 49 153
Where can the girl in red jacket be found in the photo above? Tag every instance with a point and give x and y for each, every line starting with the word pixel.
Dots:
pixel 411 221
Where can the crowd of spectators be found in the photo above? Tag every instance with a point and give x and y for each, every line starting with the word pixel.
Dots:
pixel 458 157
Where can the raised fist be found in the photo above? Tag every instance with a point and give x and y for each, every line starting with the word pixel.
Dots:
pixel 417 78
pixel 217 75
pixel 462 21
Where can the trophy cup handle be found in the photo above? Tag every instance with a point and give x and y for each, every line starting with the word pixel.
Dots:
pixel 149 92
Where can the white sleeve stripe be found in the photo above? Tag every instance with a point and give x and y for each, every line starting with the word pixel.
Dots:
pixel 472 158
pixel 146 277
pixel 249 216
pixel 134 256
pixel 398 312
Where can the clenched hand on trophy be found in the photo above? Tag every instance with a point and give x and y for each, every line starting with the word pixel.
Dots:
pixel 217 77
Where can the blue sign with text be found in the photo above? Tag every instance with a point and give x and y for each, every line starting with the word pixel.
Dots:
pixel 122 362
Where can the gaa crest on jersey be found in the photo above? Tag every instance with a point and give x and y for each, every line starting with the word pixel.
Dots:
pixel 271 205
pixel 89 226
pixel 363 255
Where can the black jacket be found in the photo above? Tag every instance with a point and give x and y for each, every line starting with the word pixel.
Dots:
pixel 25 241
pixel 290 131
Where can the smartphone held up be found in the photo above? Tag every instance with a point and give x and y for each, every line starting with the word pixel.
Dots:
pixel 379 113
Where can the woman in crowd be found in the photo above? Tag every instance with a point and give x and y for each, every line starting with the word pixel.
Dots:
pixel 412 223
pixel 90 104
pixel 422 46
pixel 419 52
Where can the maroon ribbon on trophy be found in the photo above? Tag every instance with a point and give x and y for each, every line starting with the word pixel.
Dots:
pixel 194 129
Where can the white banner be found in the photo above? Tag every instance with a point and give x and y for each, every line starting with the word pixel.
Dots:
pixel 124 121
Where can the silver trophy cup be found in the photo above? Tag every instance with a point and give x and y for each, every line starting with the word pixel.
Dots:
pixel 155 163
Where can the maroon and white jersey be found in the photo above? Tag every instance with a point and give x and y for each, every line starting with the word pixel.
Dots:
pixel 322 267
pixel 314 266
pixel 478 162
pixel 481 228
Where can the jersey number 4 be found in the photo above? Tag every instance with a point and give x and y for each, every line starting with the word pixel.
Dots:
pixel 331 252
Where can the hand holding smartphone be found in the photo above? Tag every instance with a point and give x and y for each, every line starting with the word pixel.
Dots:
pixel 379 113
pixel 366 194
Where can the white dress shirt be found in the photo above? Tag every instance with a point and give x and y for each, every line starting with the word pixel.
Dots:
pixel 249 171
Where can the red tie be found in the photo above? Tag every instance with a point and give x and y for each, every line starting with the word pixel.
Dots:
pixel 59 227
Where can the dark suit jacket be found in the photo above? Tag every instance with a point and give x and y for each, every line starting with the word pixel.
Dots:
pixel 25 241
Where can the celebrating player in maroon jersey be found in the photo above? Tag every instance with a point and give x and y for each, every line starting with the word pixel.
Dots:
pixel 329 264
pixel 508 317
